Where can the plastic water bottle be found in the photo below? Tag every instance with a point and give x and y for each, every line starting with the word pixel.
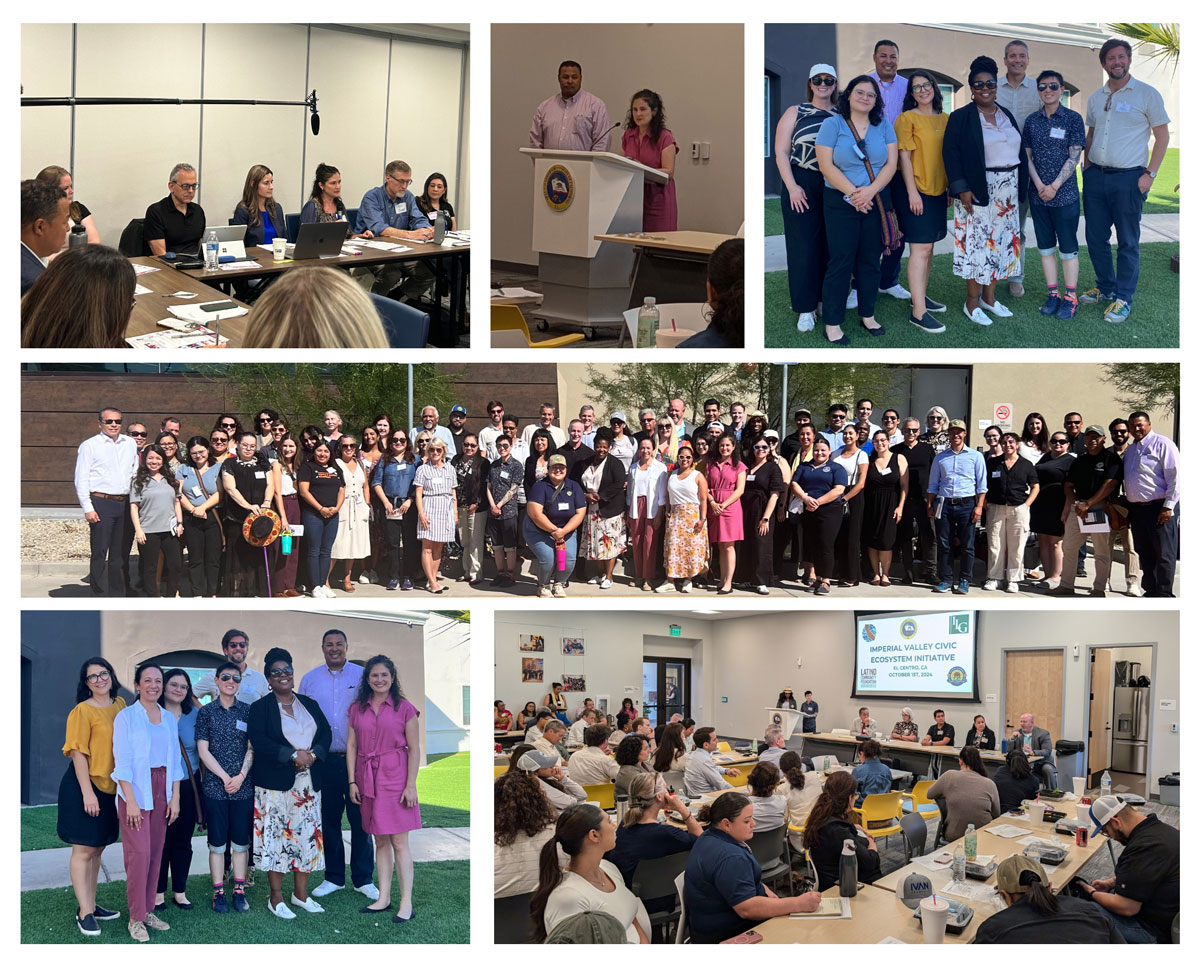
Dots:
pixel 211 251
pixel 286 541
pixel 647 325
pixel 958 868
pixel 560 555
pixel 971 842
pixel 827 764
pixel 1105 785
pixel 78 236
pixel 848 871
pixel 754 746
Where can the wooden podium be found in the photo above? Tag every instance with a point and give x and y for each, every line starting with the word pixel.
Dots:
pixel 577 195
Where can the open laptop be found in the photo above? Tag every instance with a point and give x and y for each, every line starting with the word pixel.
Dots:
pixel 318 240
pixel 231 241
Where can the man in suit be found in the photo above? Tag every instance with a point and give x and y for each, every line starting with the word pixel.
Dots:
pixel 44 217
pixel 1036 744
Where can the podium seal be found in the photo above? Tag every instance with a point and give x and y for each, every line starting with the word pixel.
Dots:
pixel 558 188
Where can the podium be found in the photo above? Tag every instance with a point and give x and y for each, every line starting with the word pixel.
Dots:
pixel 578 195
pixel 786 718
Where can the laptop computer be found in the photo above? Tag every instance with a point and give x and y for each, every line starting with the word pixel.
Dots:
pixel 236 231
pixel 318 240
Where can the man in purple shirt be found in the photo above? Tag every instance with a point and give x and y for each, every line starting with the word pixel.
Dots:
pixel 333 685
pixel 572 119
pixel 1152 488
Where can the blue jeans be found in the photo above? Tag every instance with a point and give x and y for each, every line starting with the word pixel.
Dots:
pixel 319 534
pixel 1056 227
pixel 542 545
pixel 1130 929
pixel 956 534
pixel 1113 200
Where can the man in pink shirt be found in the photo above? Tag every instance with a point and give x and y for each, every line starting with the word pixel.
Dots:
pixel 572 119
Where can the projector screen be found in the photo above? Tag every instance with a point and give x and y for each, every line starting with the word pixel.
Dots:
pixel 916 656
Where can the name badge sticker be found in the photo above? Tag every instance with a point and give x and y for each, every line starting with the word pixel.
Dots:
pixel 260 475
pixel 883 471
pixel 195 490
pixel 1058 133
pixel 1123 108
pixel 240 725
pixel 996 474
pixel 563 505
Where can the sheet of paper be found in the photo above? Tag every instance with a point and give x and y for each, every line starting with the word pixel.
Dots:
pixel 240 265
pixel 889 940
pixel 138 289
pixel 972 890
pixel 174 341
pixel 1008 830
pixel 837 908
pixel 183 295
pixel 140 268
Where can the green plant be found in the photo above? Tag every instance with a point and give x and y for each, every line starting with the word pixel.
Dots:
pixel 1159 41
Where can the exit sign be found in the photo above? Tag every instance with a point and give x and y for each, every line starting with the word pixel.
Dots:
pixel 675 629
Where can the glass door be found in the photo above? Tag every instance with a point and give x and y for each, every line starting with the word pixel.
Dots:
pixel 666 688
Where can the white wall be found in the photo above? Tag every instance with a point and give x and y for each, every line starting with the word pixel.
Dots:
pixel 447 673
pixel 124 154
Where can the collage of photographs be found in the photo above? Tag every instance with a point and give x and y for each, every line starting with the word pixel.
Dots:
pixel 783 647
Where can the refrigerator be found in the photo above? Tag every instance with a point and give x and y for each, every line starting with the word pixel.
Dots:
pixel 1131 727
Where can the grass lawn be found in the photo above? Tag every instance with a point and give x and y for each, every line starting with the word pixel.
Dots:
pixel 441 899
pixel 443 787
pixel 1154 321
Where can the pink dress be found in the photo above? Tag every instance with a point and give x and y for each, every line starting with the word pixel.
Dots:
pixel 722 481
pixel 659 210
pixel 381 768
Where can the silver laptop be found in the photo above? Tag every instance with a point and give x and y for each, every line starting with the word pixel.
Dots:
pixel 318 240
pixel 226 234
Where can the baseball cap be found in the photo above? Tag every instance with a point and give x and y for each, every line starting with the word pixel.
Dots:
pixel 1104 809
pixel 756 413
pixel 558 460
pixel 913 889
pixel 617 416
pixel 802 410
pixel 1012 876
pixel 769 434
pixel 1096 429
pixel 822 68
pixel 957 425
pixel 458 408
pixel 534 760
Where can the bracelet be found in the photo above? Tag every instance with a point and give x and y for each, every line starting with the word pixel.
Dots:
pixel 353 783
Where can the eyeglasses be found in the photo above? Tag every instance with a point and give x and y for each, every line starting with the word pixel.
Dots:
pixel 187 186
pixel 920 87
pixel 110 422
pixel 647 419
pixel 137 433
pixel 220 440
pixel 470 446
pixel 398 441
pixel 1048 86
pixel 983 85
pixel 348 446
pixel 280 672
pixel 935 417
pixel 421 443
pixel 96 677
pixel 886 417
pixel 265 420
pixel 837 416
pixel 227 677
pixel 912 430
pixel 403 183
pixel 823 81
pixel 760 446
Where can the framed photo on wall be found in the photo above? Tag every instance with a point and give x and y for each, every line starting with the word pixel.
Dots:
pixel 533 670
pixel 532 642
pixel 572 646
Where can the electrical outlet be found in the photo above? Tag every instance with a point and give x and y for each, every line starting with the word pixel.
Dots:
pixel 705 149
pixel 695 149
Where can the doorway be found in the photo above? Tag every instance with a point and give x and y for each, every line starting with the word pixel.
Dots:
pixel 1120 700
pixel 666 688
pixel 1033 683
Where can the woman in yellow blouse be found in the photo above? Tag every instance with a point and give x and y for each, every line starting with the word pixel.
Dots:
pixel 87 796
pixel 919 130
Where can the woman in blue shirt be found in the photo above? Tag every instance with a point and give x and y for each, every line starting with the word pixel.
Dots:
pixel 555 508
pixel 258 210
pixel 854 201
pixel 199 494
pixel 819 484
pixel 392 486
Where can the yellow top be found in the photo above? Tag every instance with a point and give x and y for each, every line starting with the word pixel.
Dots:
pixel 923 136
pixel 90 731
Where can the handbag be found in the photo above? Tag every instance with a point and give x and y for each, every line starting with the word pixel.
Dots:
pixel 889 225
pixel 201 810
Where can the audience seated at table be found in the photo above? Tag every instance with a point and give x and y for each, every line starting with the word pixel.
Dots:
pixel 314 306
pixel 592 765
pixel 830 823
pixel 553 740
pixel 801 790
pixel 45 223
pixel 623 728
pixel 773 744
pixel 671 755
pixel 502 719
pixel 575 731
pixel 633 759
pixel 258 208
pixel 701 775
pixel 590 883
pixel 524 821
pixel 872 775
pixel 1015 781
pixel 981 736
pixel 534 730
pixel 83 299
pixel 556 784
pixel 970 796
pixel 770 807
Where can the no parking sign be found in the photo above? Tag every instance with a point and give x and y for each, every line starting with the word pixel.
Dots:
pixel 1002 414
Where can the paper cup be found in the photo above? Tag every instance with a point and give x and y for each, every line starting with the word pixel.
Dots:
pixel 668 339
pixel 1079 786
pixel 1036 812
pixel 933 919
pixel 278 249
pixel 1083 812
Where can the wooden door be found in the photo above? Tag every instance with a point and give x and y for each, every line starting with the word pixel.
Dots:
pixel 1100 711
pixel 1033 683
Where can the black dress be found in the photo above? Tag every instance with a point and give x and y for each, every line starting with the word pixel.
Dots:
pixel 1045 513
pixel 244 563
pixel 881 496
pixel 755 552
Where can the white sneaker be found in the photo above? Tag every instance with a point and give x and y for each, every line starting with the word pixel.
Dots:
pixel 1012 587
pixel 325 889
pixel 991 585
pixel 687 586
pixel 1052 583
pixel 1135 590
pixel 557 590
pixel 977 316
pixel 544 591
pixel 281 910
pixel 665 587
pixel 852 300
pixel 997 308
pixel 310 904
pixel 806 321
pixel 363 578
pixel 595 581
pixel 897 290
pixel 369 890
pixel 605 583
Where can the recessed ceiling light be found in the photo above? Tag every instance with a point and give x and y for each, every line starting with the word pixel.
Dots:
pixel 704 613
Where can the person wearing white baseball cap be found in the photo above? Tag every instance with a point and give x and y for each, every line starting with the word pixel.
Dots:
pixel 1143 895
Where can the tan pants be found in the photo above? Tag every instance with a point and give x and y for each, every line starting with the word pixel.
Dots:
pixel 1007 530
pixel 471 529
pixel 1133 566
pixel 1073 539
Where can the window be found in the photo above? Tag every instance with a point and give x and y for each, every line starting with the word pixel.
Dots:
pixel 466 706
pixel 947 92
pixel 766 115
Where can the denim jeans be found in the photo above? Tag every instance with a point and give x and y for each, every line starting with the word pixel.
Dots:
pixel 319 534
pixel 542 545
pixel 1113 200
pixel 1131 930
pixel 956 534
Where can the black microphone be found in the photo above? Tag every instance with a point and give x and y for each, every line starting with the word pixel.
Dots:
pixel 605 134
pixel 314 121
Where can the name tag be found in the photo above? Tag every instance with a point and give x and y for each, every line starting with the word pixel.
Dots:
pixel 399 208
pixel 1057 133
pixel 240 725
pixel 195 491
pixel 563 505
pixel 260 475
pixel 883 471
pixel 996 474
pixel 1123 108
pixel 751 477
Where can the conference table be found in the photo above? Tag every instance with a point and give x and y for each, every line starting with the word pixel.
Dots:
pixel 162 281
pixel 912 757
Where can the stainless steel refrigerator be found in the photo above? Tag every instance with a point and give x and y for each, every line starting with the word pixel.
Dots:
pixel 1131 727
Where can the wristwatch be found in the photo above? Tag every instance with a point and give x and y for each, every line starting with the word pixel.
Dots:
pixel 1151 173
pixel 295 754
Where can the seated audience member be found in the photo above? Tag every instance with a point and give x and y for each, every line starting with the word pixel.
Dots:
pixel 524 823
pixel 588 704
pixel 830 824
pixel 1143 895
pixel 590 883
pixel 773 748
pixel 641 837
pixel 670 759
pixel 723 881
pixel 981 736
pixel 770 807
pixel 701 775
pixel 725 298
pixel 1015 781
pixel 433 197
pixel 390 211
pixel 79 214
pixel 864 726
pixel 689 730
pixel 175 224
pixel 45 213
pixel 552 739
pixel 259 210
pixel 557 786
pixel 1035 742
pixel 1035 915
pixel 502 719
pixel 872 775
pixel 905 728
pixel 534 731
pixel 624 727
pixel 801 791
pixel 576 730
pixel 940 733
pixel 642 727
pixel 970 796
pixel 633 759
pixel 527 716
pixel 83 300
pixel 592 765
pixel 314 307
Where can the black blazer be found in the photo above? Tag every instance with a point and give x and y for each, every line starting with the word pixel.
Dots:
pixel 273 767
pixel 255 232
pixel 962 154
pixel 612 484
pixel 31 268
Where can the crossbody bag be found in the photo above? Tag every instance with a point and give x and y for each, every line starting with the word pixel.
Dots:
pixel 889 223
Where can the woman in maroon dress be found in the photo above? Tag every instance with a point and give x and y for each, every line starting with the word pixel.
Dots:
pixel 648 141
pixel 383 755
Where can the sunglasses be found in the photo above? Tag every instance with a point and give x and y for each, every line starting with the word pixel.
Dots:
pixel 823 81
pixel 237 643
pixel 226 677
pixel 398 441
pixel 280 672
pixel 470 446
pixel 110 422
pixel 1074 423
pixel 213 439
pixel 348 446
pixel 1048 86
pixel 912 429
pixel 983 85
pixel 137 433
pixel 265 420
pixel 1058 441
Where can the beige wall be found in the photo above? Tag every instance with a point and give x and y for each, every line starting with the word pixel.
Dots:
pixel 124 154
pixel 697 69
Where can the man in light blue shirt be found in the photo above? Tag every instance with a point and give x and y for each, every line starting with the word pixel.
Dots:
pixel 836 421
pixel 429 421
pixel 957 487
pixel 390 212
pixel 334 685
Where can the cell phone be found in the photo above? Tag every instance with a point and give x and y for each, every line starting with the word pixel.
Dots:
pixel 671 790
pixel 217 305
pixel 750 936
pixel 943 858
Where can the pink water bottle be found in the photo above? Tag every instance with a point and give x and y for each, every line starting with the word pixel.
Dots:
pixel 560 555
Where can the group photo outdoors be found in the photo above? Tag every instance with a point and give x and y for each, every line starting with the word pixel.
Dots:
pixel 991 189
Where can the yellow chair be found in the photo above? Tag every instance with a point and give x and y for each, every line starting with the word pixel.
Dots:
pixel 882 806
pixel 499 770
pixel 919 800
pixel 724 747
pixel 739 776
pixel 509 321
pixel 601 793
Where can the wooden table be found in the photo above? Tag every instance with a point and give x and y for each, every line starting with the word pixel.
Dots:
pixel 149 308
pixel 912 756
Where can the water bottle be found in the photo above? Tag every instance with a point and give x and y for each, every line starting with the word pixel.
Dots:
pixel 560 555
pixel 78 237
pixel 848 871
pixel 286 540
pixel 827 764
pixel 647 325
pixel 1105 785
pixel 958 868
pixel 211 251
pixel 754 747
pixel 971 841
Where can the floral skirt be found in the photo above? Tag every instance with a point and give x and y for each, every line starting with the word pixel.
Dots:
pixel 287 828
pixel 687 550
pixel 987 242
pixel 605 537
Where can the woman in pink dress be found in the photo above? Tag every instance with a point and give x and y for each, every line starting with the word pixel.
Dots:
pixel 382 758
pixel 648 141
pixel 726 476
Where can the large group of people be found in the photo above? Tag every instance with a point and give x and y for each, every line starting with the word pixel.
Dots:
pixel 265 764
pixel 874 166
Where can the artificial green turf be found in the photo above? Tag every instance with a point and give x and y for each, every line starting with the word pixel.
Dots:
pixel 443 786
pixel 441 904
pixel 1154 321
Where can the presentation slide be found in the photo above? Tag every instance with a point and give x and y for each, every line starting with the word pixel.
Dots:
pixel 916 655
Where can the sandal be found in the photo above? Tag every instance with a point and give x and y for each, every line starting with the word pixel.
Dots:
pixel 885 582
pixel 348 586
pixel 875 581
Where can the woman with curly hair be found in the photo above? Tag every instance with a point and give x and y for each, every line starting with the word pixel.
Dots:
pixel 157 521
pixel 524 823
pixel 633 757
pixel 770 807
pixel 248 489
pixel 648 141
